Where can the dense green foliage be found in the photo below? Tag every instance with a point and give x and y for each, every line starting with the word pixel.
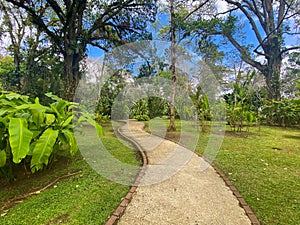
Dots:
pixel 283 113
pixel 33 132
pixel 48 43
pixel 142 117
pixel 242 104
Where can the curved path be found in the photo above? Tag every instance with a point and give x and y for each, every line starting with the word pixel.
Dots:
pixel 190 196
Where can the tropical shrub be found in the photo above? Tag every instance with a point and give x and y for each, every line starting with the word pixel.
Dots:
pixel 283 113
pixel 241 104
pixel 139 107
pixel 142 117
pixel 32 131
pixel 158 107
pixel 203 107
pixel 100 118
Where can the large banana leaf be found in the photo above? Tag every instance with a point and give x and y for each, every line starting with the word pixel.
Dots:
pixel 72 141
pixel 38 113
pixel 38 116
pixel 19 138
pixel 43 149
pixel 2 158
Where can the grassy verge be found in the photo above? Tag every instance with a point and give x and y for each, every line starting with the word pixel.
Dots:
pixel 86 198
pixel 264 165
pixel 265 168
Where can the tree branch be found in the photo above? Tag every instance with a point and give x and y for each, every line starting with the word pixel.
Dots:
pixel 117 6
pixel 289 49
pixel 196 9
pixel 54 5
pixel 258 14
pixel 98 46
pixel 37 20
pixel 249 17
pixel 226 12
pixel 279 22
pixel 244 54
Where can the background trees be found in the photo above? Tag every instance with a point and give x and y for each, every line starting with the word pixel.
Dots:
pixel 272 24
pixel 71 25
pixel 49 39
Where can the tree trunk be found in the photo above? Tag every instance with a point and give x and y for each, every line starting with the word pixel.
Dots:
pixel 72 58
pixel 172 68
pixel 273 68
pixel 72 70
pixel 17 74
pixel 272 76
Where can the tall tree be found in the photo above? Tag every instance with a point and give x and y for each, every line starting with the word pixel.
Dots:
pixel 180 13
pixel 172 67
pixel 13 26
pixel 272 23
pixel 73 24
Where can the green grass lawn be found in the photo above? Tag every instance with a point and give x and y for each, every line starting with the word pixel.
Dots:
pixel 86 198
pixel 265 168
pixel 264 165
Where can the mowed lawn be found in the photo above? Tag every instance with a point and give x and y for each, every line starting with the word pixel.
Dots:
pixel 265 168
pixel 264 165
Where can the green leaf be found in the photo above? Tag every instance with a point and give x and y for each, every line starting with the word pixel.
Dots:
pixel 23 106
pixel 53 97
pixel 12 96
pixel 8 103
pixel 67 121
pixel 43 149
pixel 2 158
pixel 3 111
pixel 50 118
pixel 63 138
pixel 91 121
pixel 19 138
pixel 61 106
pixel 72 142
pixel 38 116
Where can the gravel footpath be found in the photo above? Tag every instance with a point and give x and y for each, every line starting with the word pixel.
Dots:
pixel 190 196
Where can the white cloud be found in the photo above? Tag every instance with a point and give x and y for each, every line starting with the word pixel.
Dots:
pixel 221 6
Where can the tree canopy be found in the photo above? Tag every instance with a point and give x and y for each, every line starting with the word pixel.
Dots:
pixel 71 25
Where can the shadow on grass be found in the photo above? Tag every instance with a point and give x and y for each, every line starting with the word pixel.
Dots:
pixel 292 137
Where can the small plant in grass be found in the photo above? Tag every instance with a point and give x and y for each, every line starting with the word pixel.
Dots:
pixel 33 132
pixel 142 117
pixel 203 108
pixel 240 104
pixel 101 118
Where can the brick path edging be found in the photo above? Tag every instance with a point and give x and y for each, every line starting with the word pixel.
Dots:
pixel 121 208
pixel 249 212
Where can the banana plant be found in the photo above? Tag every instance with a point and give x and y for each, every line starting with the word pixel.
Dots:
pixel 202 105
pixel 284 113
pixel 239 105
pixel 31 130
